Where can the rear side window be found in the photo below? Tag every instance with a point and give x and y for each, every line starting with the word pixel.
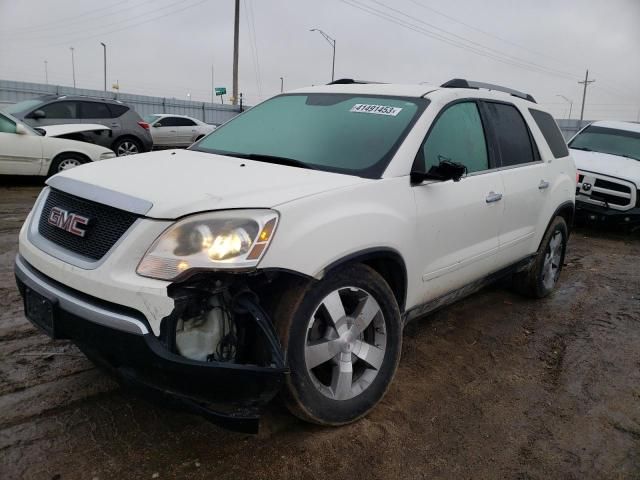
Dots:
pixel 511 134
pixel 61 110
pixel 118 110
pixel 169 121
pixel 457 136
pixel 550 132
pixel 94 110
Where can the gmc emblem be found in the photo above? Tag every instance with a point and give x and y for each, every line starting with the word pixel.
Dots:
pixel 67 221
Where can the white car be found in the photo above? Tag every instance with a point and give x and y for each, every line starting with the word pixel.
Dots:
pixel 169 130
pixel 24 151
pixel 286 251
pixel 607 155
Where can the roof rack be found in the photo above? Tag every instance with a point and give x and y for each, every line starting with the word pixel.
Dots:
pixel 349 81
pixel 462 83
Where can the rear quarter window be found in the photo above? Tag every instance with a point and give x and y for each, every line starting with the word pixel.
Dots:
pixel 118 110
pixel 550 132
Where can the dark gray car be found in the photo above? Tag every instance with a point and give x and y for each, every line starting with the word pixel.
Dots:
pixel 129 133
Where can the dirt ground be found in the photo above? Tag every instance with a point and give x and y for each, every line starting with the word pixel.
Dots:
pixel 495 386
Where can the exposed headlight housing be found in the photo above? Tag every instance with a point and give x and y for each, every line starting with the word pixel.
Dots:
pixel 106 155
pixel 234 239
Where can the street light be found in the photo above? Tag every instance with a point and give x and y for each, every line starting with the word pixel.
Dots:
pixel 46 72
pixel 73 67
pixel 104 49
pixel 332 42
pixel 570 103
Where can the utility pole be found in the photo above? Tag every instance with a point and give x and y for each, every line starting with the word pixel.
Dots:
pixel 104 48
pixel 46 73
pixel 73 67
pixel 236 41
pixel 281 84
pixel 584 93
pixel 332 42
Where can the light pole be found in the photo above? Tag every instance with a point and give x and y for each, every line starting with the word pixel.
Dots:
pixel 332 42
pixel 73 67
pixel 281 84
pixel 46 73
pixel 570 103
pixel 104 50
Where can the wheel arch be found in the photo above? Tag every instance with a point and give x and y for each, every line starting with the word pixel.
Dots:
pixel 565 210
pixel 387 262
pixel 123 137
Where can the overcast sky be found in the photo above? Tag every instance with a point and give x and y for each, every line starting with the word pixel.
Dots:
pixel 167 48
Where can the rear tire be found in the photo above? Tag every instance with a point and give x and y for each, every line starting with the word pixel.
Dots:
pixel 126 146
pixel 542 277
pixel 342 338
pixel 65 161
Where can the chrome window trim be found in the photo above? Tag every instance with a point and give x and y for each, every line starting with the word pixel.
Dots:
pixel 77 306
pixel 59 252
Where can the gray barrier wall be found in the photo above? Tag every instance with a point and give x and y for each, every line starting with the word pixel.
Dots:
pixel 214 113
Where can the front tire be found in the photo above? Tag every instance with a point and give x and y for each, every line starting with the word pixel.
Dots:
pixel 342 337
pixel 542 277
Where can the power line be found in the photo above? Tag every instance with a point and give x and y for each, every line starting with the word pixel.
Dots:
pixel 422 31
pixel 474 43
pixel 65 21
pixel 248 12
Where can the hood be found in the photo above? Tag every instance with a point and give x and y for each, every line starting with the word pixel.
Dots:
pixel 174 183
pixel 59 130
pixel 606 164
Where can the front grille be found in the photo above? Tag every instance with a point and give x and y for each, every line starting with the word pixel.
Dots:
pixel 606 191
pixel 106 225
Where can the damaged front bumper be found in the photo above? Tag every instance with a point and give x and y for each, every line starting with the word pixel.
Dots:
pixel 231 393
pixel 597 214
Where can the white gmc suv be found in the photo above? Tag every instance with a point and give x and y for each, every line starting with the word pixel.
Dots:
pixel 284 252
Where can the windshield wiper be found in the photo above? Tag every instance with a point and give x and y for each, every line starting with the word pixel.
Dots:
pixel 625 155
pixel 260 157
pixel 586 149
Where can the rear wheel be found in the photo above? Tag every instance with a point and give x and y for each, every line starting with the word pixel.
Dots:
pixel 65 161
pixel 342 338
pixel 126 146
pixel 540 280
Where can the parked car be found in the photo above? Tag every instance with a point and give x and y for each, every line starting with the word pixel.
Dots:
pixel 286 250
pixel 129 133
pixel 25 151
pixel 169 130
pixel 607 155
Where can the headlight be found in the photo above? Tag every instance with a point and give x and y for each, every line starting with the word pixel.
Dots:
pixel 218 240
pixel 106 155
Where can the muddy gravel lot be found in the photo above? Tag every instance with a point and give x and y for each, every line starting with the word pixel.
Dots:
pixel 496 386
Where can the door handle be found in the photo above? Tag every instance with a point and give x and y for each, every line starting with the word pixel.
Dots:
pixel 543 184
pixel 493 197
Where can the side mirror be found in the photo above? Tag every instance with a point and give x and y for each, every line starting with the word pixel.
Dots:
pixel 38 114
pixel 20 130
pixel 445 170
pixel 157 124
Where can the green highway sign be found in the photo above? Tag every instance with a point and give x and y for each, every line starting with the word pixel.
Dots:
pixel 220 91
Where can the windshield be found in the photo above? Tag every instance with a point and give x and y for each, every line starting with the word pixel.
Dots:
pixel 346 133
pixel 608 140
pixel 151 118
pixel 22 106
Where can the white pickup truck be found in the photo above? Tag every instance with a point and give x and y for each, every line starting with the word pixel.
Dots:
pixel 607 155
pixel 285 252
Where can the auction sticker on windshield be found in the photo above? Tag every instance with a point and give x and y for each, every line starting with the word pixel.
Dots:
pixel 375 109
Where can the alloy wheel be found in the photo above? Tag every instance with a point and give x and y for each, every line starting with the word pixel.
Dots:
pixel 552 259
pixel 346 343
pixel 127 148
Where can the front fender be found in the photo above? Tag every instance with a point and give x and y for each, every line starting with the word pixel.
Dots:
pixel 317 231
